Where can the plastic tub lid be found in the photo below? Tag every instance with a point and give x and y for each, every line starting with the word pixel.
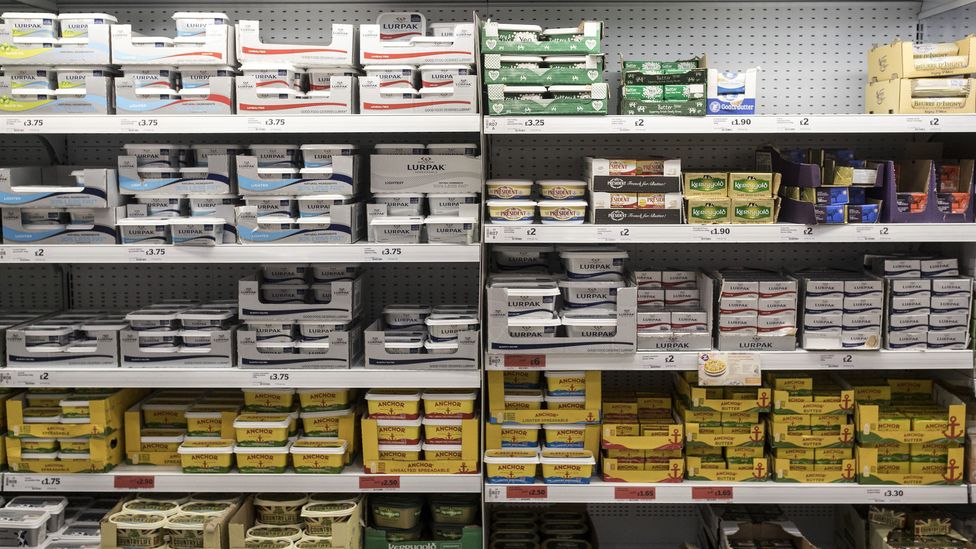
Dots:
pixel 51 504
pixel 400 447
pixel 449 394
pixel 248 421
pixel 525 89
pixel 321 345
pixel 549 291
pixel 432 146
pixel 566 283
pixel 329 509
pixel 566 58
pixel 561 398
pixel 400 308
pixel 393 394
pixel 319 446
pixel 549 203
pixel 200 445
pixel 278 171
pixel 257 66
pixel 196 221
pixel 310 197
pixel 580 319
pixel 568 457
pixel 398 220
pixel 275 344
pixel 441 422
pixel 517 202
pixel 512 456
pixel 442 447
pixel 141 521
pixel 440 345
pixel 279 500
pixel 557 426
pixel 523 395
pixel 587 254
pixel 399 422
pixel 399 146
pixel 207 314
pixel 451 195
pixel 447 319
pixel 562 30
pixel 263 449
pixel 199 15
pixel 207 411
pixel 403 344
pixel 446 219
pixel 326 413
pixel 154 314
pixel 518 27
pixel 185 521
pixel 567 373
pixel 328 147
pixel 435 67
pixel 563 182
pixel 491 182
pixel 520 426
pixel 397 195
pixel 273 390
pixel 27 15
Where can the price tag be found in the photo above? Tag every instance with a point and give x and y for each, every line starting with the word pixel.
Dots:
pixel 924 123
pixel 33 483
pixel 139 254
pixel 267 124
pixel 491 125
pixel 139 125
pixel 135 482
pixel 613 234
pixel 711 493
pixel 25 125
pixel 885 495
pixel 796 233
pixel 383 253
pixel 526 125
pixel 527 492
pixel 634 493
pixel 271 379
pixel 727 124
pixel 376 482
pixel 841 360
pixel 658 361
pixel 29 255
pixel 713 233
pixel 525 361
pixel 31 378
pixel 630 124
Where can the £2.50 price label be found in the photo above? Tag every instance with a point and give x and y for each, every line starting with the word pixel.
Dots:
pixel 379 482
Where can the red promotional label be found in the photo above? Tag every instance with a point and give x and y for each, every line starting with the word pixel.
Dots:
pixel 374 482
pixel 634 493
pixel 525 361
pixel 711 492
pixel 135 482
pixel 527 492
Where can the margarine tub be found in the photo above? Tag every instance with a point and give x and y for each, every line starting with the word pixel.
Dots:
pixel 320 156
pixel 523 399
pixel 538 302
pixel 31 25
pixel 196 231
pixel 74 77
pixel 595 264
pixel 205 318
pixel 469 149
pixel 42 415
pixel 161 206
pixel 290 533
pixel 393 403
pixel 320 205
pixel 401 204
pixel 251 543
pixel 596 324
pixel 393 76
pixel 446 326
pixel 521 258
pixel 561 189
pixel 269 400
pixel 564 435
pixel 399 452
pixel 331 272
pixel 566 383
pixel 590 294
pixel 442 431
pixel 397 229
pixel 512 211
pixel 519 436
pixel 403 347
pixel 325 423
pixel 565 402
pixel 274 330
pixel 273 207
pixel 40 445
pixel 279 509
pixel 139 530
pixel 512 465
pixel 272 76
pixel 405 316
pixel 45 400
pixel 522 379
pixel 159 440
pixel 262 429
pixel 319 518
pixel 562 212
pixel 508 189
pixel 567 466
pixel 442 452
pixel 275 155
pixel 519 327
pixel 449 204
pixel 165 413
pixel 396 510
pixel 185 530
pixel 398 431
pixel 432 76
pixel 262 459
pixel 449 403
pixel 321 400
pixel 148 506
pixel 284 293
pixel 451 229
pixel 453 509
pixel 154 319
pixel 318 456
pixel 207 455
pixel 218 505
pixel 206 420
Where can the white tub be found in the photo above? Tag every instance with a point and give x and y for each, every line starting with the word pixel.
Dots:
pixel 316 205
pixel 400 148
pixel 405 315
pixel 36 78
pixel 442 29
pixel 150 155
pixel 272 330
pixel 315 330
pixel 509 258
pixel 41 219
pixel 74 77
pixel 278 206
pixel 590 294
pixel 198 76
pixel 196 319
pixel 287 273
pixel 579 324
pixel 446 327
pixel 432 76
pixel 197 231
pixel 532 327
pixel 321 292
pixel 320 156
pixel 158 339
pixel 562 212
pixel 48 335
pixel 397 230
pixel 593 264
pixel 509 188
pixel 284 293
pixel 196 339
pixel 449 203
pixel 330 272
pixel 561 189
pixel 143 230
pixel 408 204
pixel 75 25
pixel 161 207
pixel 441 347
pixel 403 347
pixel 451 229
pixel 320 79
pixel 268 347
pixel 275 156
pixel 194 23
pixel 202 153
pixel 153 319
pixel 511 212
pixel 273 77
pixel 204 206
pixel 394 76
pixel 532 302
pixel 161 79
pixel 31 24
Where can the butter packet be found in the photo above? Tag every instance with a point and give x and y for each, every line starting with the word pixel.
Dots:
pixel 706 184
pixel 753 210
pixel 750 184
pixel 708 210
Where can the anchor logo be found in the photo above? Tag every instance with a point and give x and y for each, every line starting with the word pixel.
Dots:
pixel 952 433
pixel 759 471
pixel 756 435
pixel 674 473
pixel 951 468
pixel 845 402
pixel 847 472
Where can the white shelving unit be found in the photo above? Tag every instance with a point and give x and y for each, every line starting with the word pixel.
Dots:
pixel 599 491
pixel 235 377
pixel 769 360
pixel 239 124
pixel 361 252
pixel 728 233
pixel 171 479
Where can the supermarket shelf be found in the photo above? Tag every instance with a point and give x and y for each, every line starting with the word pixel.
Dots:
pixel 814 123
pixel 82 376
pixel 770 360
pixel 240 124
pixel 171 479
pixel 713 492
pixel 693 234
pixel 231 253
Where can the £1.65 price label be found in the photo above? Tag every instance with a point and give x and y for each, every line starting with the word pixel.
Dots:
pixel 634 493
pixel 711 493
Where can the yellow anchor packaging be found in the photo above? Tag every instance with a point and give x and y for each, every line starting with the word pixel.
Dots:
pixel 512 465
pixel 262 430
pixel 567 466
pixel 949 471
pixel 262 459
pixel 501 411
pixel 207 456
pixel 869 419
pixel 383 459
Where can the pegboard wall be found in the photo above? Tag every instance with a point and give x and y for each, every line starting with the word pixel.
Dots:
pixel 949 26
pixel 32 287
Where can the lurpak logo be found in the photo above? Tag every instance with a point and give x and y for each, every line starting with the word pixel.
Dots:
pixel 426 168
pixel 756 345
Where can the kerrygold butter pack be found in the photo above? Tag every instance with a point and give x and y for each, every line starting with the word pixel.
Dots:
pixel 703 211
pixel 750 185
pixel 753 210
pixel 706 184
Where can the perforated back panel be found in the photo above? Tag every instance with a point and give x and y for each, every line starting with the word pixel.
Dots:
pixel 31 287
pixel 949 26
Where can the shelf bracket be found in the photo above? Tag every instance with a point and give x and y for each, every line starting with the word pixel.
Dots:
pixel 935 7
